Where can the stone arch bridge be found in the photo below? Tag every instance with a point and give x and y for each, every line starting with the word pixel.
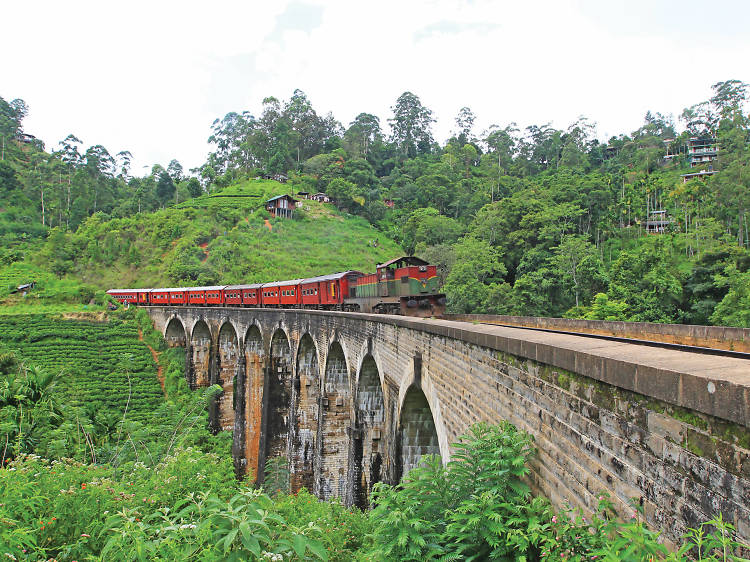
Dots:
pixel 353 399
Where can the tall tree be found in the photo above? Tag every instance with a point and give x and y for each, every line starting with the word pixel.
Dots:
pixel 411 126
pixel 174 169
pixel 165 188
pixel 363 132
pixel 465 123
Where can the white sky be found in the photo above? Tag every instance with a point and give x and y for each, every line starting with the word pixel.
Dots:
pixel 150 77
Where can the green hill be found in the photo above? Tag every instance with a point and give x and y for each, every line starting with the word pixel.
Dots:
pixel 205 240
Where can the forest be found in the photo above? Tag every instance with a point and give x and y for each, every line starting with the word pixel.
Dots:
pixel 533 221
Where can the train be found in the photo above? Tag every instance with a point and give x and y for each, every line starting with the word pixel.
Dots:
pixel 407 285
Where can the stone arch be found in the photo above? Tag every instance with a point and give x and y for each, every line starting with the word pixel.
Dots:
pixel 417 434
pixel 249 406
pixel 227 357
pixel 277 402
pixel 305 410
pixel 174 333
pixel 369 438
pixel 336 414
pixel 199 372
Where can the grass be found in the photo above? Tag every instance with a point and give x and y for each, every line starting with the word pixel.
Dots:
pixel 248 194
pixel 221 243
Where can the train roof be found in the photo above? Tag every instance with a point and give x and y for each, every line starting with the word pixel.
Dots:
pixel 169 289
pixel 330 277
pixel 405 260
pixel 129 291
pixel 251 286
pixel 211 288
pixel 283 283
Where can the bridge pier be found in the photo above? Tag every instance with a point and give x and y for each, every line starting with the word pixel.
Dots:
pixel 351 399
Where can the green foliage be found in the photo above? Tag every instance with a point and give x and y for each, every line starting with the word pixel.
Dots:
pixel 604 309
pixel 276 476
pixel 478 507
pixel 734 308
pixel 476 277
pixel 474 508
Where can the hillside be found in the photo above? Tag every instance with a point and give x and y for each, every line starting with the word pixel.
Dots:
pixel 103 365
pixel 221 238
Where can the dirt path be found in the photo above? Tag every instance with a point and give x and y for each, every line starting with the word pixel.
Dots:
pixel 155 355
pixel 205 251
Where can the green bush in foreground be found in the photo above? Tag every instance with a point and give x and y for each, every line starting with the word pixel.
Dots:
pixel 478 508
pixel 179 502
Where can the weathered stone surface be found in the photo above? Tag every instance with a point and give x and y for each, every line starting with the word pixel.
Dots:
pixel 351 399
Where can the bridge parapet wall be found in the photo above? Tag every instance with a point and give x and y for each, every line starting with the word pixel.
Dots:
pixel 715 337
pixel 669 428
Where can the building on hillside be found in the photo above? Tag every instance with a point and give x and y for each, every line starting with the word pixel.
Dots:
pixel 281 178
pixel 658 222
pixel 673 149
pixel 702 175
pixel 25 138
pixel 321 197
pixel 303 194
pixel 281 206
pixel 702 152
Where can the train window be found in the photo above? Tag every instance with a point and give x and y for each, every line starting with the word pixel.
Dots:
pixel 422 268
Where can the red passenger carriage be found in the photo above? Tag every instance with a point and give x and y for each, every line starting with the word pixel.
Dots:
pixel 125 295
pixel 177 296
pixel 159 297
pixel 329 291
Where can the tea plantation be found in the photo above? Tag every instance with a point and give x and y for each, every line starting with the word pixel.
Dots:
pixel 102 363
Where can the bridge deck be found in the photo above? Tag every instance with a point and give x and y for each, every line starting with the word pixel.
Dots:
pixel 712 384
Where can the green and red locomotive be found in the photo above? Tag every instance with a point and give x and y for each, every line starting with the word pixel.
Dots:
pixel 407 285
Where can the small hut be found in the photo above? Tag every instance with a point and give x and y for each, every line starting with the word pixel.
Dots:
pixel 281 206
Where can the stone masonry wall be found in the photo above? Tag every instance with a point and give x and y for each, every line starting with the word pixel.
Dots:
pixel 669 428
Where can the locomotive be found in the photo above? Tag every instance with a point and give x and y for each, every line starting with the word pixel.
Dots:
pixel 407 285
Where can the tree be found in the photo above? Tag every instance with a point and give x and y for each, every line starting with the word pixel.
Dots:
pixel 465 123
pixel 11 116
pixel 174 169
pixel 427 227
pixel 476 271
pixel 8 179
pixel 363 132
pixel 165 188
pixel 502 142
pixel 569 255
pixel 604 309
pixel 310 132
pixel 194 187
pixel 734 308
pixel 124 158
pixel 729 97
pixel 343 193
pixel 411 126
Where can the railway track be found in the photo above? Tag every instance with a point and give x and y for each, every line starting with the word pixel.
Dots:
pixel 650 343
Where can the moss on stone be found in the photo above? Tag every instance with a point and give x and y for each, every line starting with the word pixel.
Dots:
pixel 563 381
pixel 688 417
